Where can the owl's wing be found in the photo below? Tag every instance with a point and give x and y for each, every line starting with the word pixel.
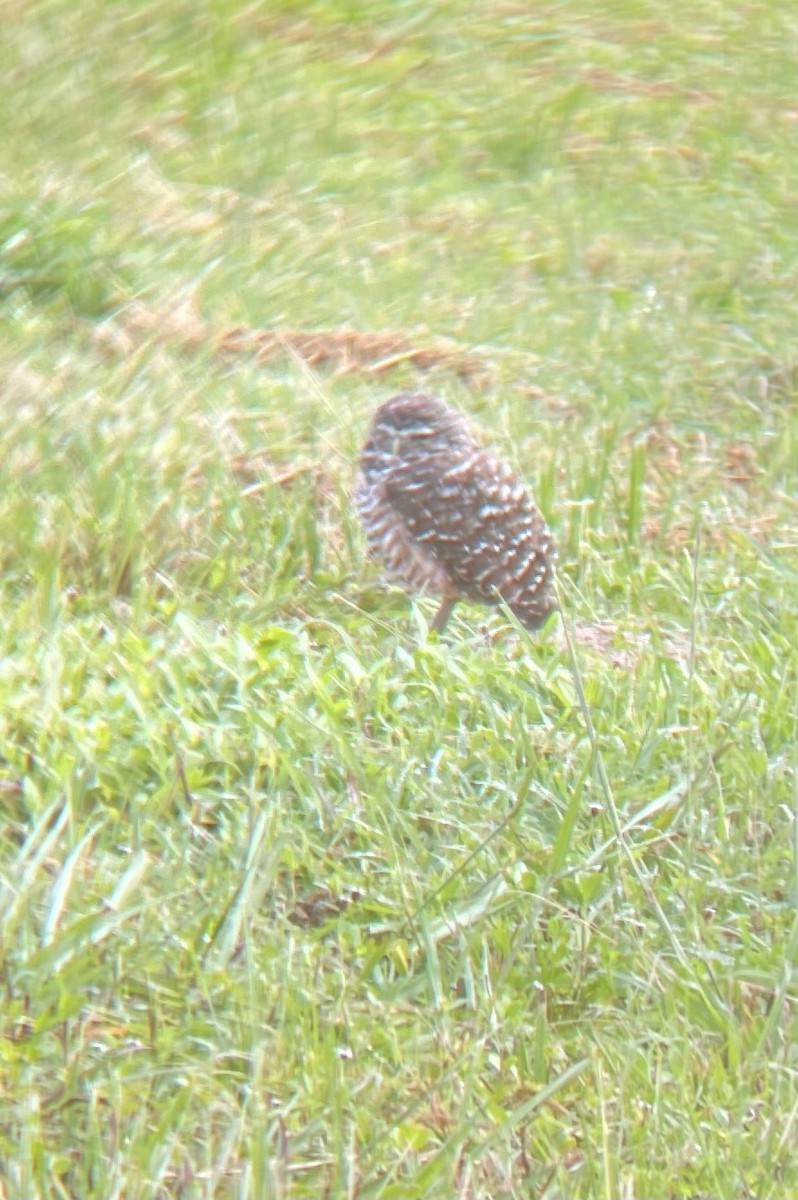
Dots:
pixel 477 521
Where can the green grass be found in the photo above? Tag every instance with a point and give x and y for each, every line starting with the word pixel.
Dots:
pixel 296 899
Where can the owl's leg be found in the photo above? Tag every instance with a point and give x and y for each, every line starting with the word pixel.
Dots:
pixel 447 603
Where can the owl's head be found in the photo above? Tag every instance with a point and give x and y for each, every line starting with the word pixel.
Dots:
pixel 416 423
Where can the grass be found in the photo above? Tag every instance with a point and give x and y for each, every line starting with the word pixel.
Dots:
pixel 297 899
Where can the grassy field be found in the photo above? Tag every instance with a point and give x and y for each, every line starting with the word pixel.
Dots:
pixel 297 899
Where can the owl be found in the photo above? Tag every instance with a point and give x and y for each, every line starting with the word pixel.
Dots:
pixel 446 516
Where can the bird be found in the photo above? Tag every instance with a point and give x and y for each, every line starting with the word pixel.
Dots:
pixel 446 516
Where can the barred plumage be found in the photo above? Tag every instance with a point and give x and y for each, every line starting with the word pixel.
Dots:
pixel 446 515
